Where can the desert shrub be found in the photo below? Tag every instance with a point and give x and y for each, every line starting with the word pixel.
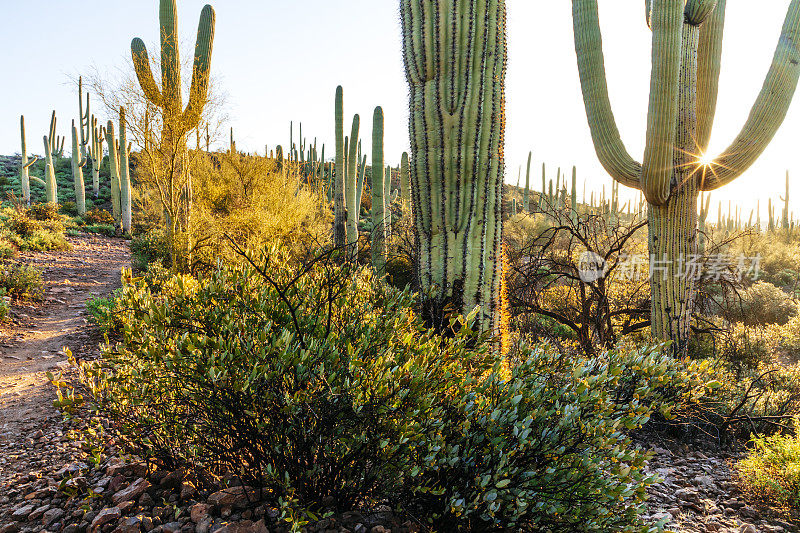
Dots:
pixel 21 282
pixel 98 216
pixel 101 229
pixel 546 448
pixel 43 212
pixel 762 303
pixel 771 470
pixel 69 208
pixel 5 305
pixel 149 247
pixel 318 383
pixel 22 224
pixel 41 241
pixel 743 346
pixel 104 312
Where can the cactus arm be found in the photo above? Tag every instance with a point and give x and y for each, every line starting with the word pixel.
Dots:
pixel 378 195
pixel 769 110
pixel 170 56
pixel 696 11
pixel 709 61
pixel 124 173
pixel 608 144
pixel 201 70
pixel 657 168
pixel 352 182
pixel 141 63
pixel 338 179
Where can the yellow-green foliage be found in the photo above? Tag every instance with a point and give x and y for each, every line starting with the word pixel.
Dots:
pixel 763 303
pixel 771 471
pixel 249 200
pixel 39 228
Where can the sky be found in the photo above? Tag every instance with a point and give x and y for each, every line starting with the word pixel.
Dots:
pixel 281 61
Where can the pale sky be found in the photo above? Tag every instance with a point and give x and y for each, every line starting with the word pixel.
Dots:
pixel 281 61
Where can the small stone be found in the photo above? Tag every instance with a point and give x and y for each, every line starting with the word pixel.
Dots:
pixel 13 527
pixel 234 497
pixel 199 512
pixel 22 512
pixel 748 528
pixel 52 516
pixel 750 512
pixel 129 525
pixel 172 527
pixel 131 493
pixel 106 516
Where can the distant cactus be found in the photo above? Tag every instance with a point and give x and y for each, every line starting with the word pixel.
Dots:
pixel 526 195
pixel 56 142
pixel 50 185
pixel 78 163
pixel 124 174
pixel 25 165
pixel 114 172
pixel 339 208
pixel 85 120
pixel 785 200
pixel 95 153
pixel 405 184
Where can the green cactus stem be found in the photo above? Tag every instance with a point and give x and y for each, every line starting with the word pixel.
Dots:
pixel 351 189
pixel 785 200
pixel 686 51
pixel 526 195
pixel 574 196
pixel 339 208
pixel 126 213
pixel 84 118
pixel 56 142
pixel 378 244
pixel 95 154
pixel 25 165
pixel 78 163
pixel 405 184
pixel 457 185
pixel 114 173
pixel 50 185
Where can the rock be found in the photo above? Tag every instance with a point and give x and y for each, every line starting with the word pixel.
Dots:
pixel 688 495
pixel 245 527
pixel 706 482
pixel 199 512
pixel 749 512
pixel 172 527
pixel 379 529
pixel 131 493
pixel 748 528
pixel 233 497
pixel 129 525
pixel 188 491
pixel 13 527
pixel 22 512
pixel 106 516
pixel 52 516
pixel 204 525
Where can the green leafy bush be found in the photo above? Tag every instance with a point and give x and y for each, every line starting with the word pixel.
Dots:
pixel 23 225
pixel 98 216
pixel 771 471
pixel 44 212
pixel 150 247
pixel 320 384
pixel 763 303
pixel 69 208
pixel 21 282
pixel 104 312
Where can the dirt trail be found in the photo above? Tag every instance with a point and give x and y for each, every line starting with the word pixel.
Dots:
pixel 34 344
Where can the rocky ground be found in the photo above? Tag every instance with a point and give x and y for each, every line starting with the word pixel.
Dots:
pixel 51 481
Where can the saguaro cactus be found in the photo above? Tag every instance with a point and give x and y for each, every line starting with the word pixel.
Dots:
pixel 177 121
pixel 378 247
pixel 785 199
pixel 56 142
pixel 50 185
pixel 686 51
pixel 25 165
pixel 340 215
pixel 455 62
pixel 96 155
pixel 84 118
pixel 124 174
pixel 352 191
pixel 405 184
pixel 113 171
pixel 526 196
pixel 78 162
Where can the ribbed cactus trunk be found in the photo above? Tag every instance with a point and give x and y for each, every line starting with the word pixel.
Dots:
pixel 126 213
pixel 352 195
pixel 113 171
pixel 526 195
pixel 50 185
pixel 405 183
pixel 96 155
pixel 455 61
pixel 378 245
pixel 78 162
pixel 25 165
pixel 339 212
pixel 686 51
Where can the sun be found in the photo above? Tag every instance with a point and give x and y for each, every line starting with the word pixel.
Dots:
pixel 705 160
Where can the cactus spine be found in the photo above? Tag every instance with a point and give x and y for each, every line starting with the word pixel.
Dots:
pixel 25 165
pixel 686 50
pixel 378 184
pixel 457 191
pixel 78 162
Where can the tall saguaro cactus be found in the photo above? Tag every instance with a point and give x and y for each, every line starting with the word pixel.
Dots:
pixel 114 173
pixel 25 165
pixel 526 195
pixel 339 220
pixel 177 121
pixel 378 246
pixel 124 174
pixel 50 185
pixel 78 162
pixel 686 52
pixel 96 155
pixel 455 62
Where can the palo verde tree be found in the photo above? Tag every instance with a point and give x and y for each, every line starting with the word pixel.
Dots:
pixel 175 188
pixel 686 53
pixel 455 62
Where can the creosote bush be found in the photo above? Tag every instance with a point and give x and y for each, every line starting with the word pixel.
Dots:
pixel 318 383
pixel 21 282
pixel 771 471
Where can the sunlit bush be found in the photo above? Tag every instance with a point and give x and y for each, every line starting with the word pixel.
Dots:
pixel 771 471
